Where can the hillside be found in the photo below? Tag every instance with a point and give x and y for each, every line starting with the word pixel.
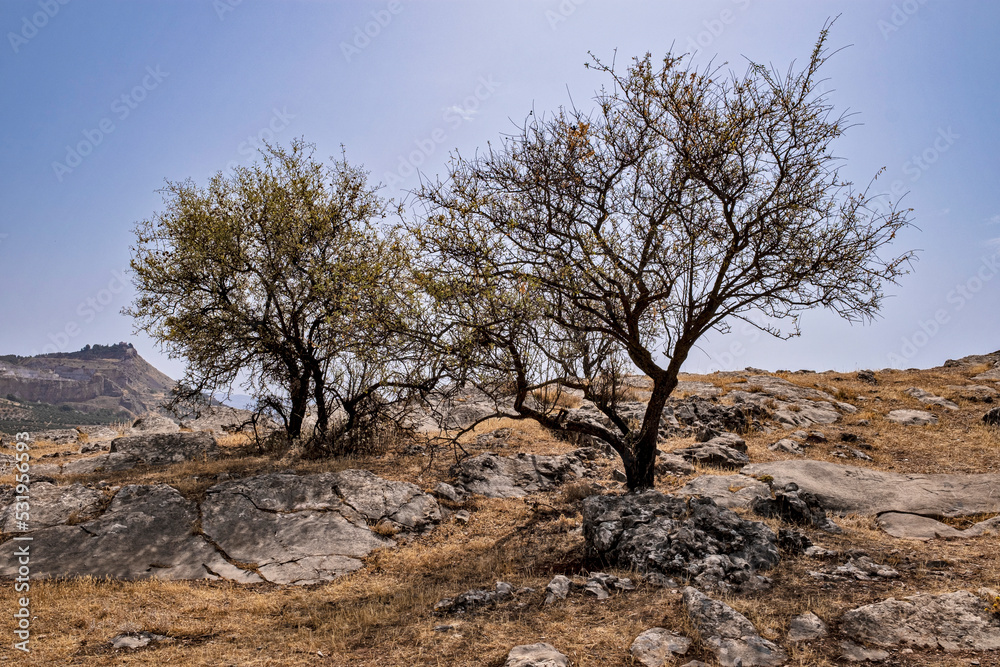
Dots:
pixel 96 385
pixel 825 518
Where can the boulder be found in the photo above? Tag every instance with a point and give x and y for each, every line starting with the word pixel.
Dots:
pixel 51 505
pixel 788 446
pixel 657 647
pixel 991 374
pixel 557 589
pixel 729 491
pixel 473 600
pixel 310 528
pixel 844 489
pixel 806 627
pixel 867 377
pixel 536 655
pixel 719 452
pixel 151 423
pixel 916 527
pixel 733 638
pixel 166 448
pixel 146 532
pixel 515 476
pixel 693 538
pixel 957 621
pixel 928 398
pixel 794 506
pixel 671 464
pixel 912 417
pixel 686 415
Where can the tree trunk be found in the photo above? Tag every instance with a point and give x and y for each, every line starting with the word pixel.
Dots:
pixel 298 392
pixel 639 466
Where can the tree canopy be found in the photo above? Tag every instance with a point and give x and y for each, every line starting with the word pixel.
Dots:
pixel 592 244
pixel 279 276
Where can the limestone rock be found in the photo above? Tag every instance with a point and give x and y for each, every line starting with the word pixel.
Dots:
pixel 515 476
pixel 928 398
pixel 536 655
pixel 166 448
pixel 135 640
pixel 916 527
pixel 729 634
pixel 671 464
pixel 719 452
pixel 310 528
pixel 806 627
pixel 657 647
pixel 51 505
pixel 473 600
pixel 861 568
pixel 58 436
pixel 844 489
pixel 851 652
pixel 376 499
pixel 146 532
pixel 955 621
pixel 787 445
pixel 992 374
pixel 557 589
pixel 912 417
pixel 151 423
pixel 729 491
pixel 696 539
pixel 795 506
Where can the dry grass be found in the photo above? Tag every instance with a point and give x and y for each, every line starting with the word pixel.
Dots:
pixel 383 614
pixel 557 396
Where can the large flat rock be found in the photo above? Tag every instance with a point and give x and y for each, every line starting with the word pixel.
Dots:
pixel 845 489
pixel 147 532
pixel 958 621
pixel 281 527
pixel 310 528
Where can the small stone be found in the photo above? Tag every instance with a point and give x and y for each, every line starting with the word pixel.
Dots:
pixel 854 653
pixel 557 589
pixel 536 655
pixel 806 627
pixel 658 646
pixel 462 516
pixel 448 492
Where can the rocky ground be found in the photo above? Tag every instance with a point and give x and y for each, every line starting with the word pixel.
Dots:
pixel 799 518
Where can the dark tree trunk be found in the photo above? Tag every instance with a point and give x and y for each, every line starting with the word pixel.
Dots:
pixel 640 464
pixel 298 392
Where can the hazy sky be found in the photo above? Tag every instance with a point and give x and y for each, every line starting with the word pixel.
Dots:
pixel 102 101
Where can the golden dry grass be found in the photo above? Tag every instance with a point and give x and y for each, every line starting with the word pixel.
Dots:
pixel 383 614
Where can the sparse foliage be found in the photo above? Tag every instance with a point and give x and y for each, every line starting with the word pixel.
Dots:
pixel 590 245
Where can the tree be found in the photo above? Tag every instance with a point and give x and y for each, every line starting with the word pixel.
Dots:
pixel 588 245
pixel 278 275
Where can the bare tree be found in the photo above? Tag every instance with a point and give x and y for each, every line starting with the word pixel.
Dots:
pixel 593 243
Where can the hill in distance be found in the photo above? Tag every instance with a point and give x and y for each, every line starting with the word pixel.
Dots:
pixel 99 384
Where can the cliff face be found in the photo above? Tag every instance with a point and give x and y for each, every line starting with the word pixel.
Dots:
pixel 113 377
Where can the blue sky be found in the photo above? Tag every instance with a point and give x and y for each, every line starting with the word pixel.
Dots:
pixel 103 101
